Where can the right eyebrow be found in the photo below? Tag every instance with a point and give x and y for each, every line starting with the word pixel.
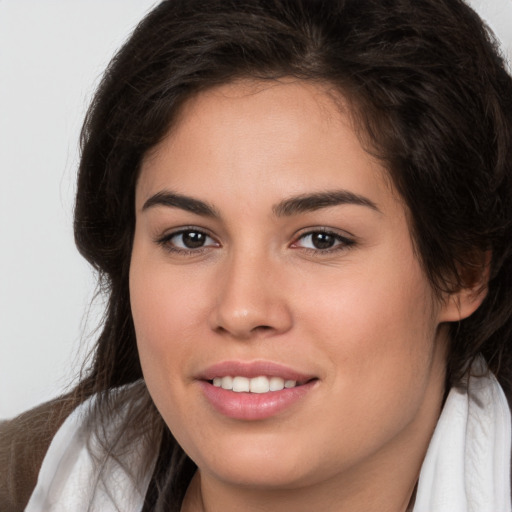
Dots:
pixel 174 200
pixel 318 200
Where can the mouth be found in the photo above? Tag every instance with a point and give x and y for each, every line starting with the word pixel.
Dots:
pixel 260 384
pixel 255 390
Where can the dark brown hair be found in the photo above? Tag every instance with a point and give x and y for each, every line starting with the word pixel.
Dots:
pixel 431 96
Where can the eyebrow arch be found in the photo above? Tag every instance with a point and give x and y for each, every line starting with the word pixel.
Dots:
pixel 174 200
pixel 311 202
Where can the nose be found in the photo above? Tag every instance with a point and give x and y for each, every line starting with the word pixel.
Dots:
pixel 252 299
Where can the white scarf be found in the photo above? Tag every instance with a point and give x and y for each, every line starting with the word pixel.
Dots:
pixel 466 469
pixel 467 466
pixel 70 479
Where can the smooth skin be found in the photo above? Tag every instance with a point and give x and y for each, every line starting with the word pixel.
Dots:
pixel 234 269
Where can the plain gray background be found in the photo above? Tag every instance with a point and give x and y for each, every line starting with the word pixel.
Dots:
pixel 52 53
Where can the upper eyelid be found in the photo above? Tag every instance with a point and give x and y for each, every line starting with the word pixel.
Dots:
pixel 324 229
pixel 183 231
pixel 169 233
pixel 345 241
pixel 164 239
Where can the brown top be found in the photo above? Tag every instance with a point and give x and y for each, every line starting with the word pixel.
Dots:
pixel 24 442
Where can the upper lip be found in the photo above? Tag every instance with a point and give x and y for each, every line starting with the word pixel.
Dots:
pixel 252 369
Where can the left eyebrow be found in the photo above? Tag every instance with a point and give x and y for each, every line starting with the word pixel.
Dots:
pixel 174 200
pixel 311 202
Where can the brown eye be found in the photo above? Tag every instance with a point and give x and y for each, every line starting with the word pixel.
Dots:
pixel 193 239
pixel 187 240
pixel 323 241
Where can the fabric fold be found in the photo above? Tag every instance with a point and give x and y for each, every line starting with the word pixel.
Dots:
pixel 467 465
pixel 77 475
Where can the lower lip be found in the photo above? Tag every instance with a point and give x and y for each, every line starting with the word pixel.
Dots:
pixel 254 406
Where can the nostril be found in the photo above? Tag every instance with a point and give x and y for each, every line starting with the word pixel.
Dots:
pixel 262 328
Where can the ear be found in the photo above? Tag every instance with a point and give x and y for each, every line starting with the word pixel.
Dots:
pixel 465 301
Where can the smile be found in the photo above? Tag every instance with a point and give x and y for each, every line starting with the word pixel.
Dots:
pixel 259 384
pixel 256 390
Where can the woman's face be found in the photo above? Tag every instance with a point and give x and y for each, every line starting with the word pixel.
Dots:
pixel 269 244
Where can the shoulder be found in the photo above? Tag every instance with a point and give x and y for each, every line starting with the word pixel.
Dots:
pixel 24 442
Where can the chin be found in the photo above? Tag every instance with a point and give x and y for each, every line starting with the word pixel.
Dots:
pixel 258 463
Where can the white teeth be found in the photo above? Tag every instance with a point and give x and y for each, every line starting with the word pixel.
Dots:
pixel 276 384
pixel 241 384
pixel 227 382
pixel 255 385
pixel 259 385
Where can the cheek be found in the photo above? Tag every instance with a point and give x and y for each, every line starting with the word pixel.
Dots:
pixel 165 312
pixel 169 320
pixel 164 326
pixel 165 302
pixel 371 309
pixel 379 327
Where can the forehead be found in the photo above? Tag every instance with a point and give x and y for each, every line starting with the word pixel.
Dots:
pixel 242 103
pixel 290 136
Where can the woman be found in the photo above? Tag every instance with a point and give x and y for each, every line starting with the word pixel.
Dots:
pixel 301 212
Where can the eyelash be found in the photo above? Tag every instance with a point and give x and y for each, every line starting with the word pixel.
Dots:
pixel 166 242
pixel 342 243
